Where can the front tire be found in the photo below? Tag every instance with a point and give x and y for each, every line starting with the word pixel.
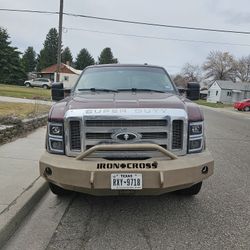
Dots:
pixel 45 86
pixel 193 190
pixel 247 109
pixel 58 190
pixel 27 85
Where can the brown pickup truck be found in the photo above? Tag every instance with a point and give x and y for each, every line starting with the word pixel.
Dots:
pixel 125 130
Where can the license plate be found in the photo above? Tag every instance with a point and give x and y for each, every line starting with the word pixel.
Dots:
pixel 126 181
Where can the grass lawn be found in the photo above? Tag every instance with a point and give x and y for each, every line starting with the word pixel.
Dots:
pixel 22 110
pixel 23 92
pixel 213 105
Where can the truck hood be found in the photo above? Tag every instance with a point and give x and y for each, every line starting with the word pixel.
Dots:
pixel 124 100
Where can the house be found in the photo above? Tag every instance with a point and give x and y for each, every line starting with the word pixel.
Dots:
pixel 68 75
pixel 228 91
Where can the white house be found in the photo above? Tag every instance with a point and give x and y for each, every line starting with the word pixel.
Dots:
pixel 68 75
pixel 228 91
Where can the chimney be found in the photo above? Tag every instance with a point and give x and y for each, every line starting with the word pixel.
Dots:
pixel 68 63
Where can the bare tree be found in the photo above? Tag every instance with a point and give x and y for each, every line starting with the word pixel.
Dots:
pixel 180 81
pixel 219 66
pixel 242 69
pixel 191 72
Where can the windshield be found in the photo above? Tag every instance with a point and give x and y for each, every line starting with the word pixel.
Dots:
pixel 125 78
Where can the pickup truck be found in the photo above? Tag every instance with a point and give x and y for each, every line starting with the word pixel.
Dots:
pixel 125 130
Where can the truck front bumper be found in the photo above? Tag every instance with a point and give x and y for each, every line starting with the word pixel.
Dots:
pixel 93 175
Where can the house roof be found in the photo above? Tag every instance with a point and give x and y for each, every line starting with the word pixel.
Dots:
pixel 233 85
pixel 63 69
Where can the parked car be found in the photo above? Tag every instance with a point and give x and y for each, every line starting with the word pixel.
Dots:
pixel 39 82
pixel 243 105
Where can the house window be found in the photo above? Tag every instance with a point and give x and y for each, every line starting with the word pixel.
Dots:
pixel 217 92
pixel 208 93
pixel 66 78
pixel 229 93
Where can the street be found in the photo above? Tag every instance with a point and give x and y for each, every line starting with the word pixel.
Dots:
pixel 217 218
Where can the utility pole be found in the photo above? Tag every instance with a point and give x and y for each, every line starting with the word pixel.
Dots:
pixel 59 42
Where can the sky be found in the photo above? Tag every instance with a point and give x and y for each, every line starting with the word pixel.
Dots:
pixel 31 29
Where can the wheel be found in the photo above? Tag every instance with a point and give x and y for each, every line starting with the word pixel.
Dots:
pixel 58 190
pixel 239 109
pixel 45 86
pixel 247 108
pixel 27 85
pixel 193 190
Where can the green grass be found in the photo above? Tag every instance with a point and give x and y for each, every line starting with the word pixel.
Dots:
pixel 22 110
pixel 213 105
pixel 23 92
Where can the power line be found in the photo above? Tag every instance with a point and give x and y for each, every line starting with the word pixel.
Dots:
pixel 131 22
pixel 30 11
pixel 156 37
pixel 160 25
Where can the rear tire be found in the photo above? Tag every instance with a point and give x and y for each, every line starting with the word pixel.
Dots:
pixel 58 190
pixel 247 109
pixel 193 190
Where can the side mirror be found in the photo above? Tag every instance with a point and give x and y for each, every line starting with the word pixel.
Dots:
pixel 57 91
pixel 193 91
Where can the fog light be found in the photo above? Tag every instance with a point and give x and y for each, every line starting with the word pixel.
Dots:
pixel 56 145
pixel 195 144
pixel 204 170
pixel 48 171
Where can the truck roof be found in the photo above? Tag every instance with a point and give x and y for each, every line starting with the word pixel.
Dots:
pixel 124 65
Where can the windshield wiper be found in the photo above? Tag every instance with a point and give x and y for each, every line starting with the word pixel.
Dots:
pixel 146 90
pixel 95 89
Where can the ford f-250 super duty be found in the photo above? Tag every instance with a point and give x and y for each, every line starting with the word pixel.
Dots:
pixel 124 129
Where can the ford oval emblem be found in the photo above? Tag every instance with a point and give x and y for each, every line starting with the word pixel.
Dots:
pixel 126 136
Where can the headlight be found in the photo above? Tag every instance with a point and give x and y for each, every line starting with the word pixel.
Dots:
pixel 55 138
pixel 196 137
pixel 55 129
pixel 196 128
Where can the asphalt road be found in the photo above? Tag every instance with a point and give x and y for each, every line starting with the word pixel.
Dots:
pixel 217 218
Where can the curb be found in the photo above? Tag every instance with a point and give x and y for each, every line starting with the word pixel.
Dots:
pixel 13 215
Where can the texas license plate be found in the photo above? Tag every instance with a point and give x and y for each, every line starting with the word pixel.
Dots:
pixel 126 181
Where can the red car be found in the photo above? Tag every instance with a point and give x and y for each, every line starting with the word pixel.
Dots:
pixel 243 105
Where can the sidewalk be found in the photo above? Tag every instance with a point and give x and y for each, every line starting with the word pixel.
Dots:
pixel 19 177
pixel 23 100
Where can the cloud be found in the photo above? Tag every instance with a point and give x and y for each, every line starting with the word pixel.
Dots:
pixel 31 29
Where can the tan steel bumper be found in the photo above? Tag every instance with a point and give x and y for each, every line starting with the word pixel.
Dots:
pixel 83 175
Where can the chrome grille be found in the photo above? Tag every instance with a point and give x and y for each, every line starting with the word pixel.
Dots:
pixel 75 135
pixel 125 123
pixel 87 128
pixel 149 135
pixel 102 131
pixel 177 134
